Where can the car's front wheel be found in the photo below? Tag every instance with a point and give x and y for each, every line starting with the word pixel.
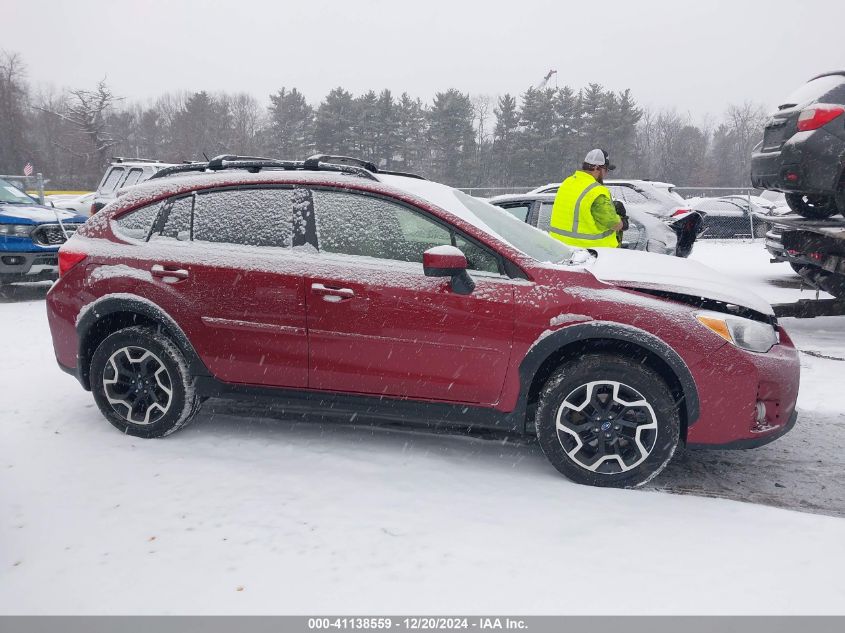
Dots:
pixel 141 383
pixel 605 420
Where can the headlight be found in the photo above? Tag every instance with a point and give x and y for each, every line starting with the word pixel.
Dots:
pixel 754 336
pixel 16 230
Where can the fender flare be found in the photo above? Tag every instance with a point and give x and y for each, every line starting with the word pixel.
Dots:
pixel 96 311
pixel 551 342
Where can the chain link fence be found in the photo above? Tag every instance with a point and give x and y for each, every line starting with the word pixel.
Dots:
pixel 729 212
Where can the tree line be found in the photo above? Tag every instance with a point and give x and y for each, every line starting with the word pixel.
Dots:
pixel 464 140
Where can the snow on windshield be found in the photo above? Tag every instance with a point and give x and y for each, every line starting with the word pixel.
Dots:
pixel 487 217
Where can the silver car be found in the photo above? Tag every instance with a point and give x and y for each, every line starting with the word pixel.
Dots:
pixel 668 235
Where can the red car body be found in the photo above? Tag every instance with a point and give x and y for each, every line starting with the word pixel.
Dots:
pixel 354 335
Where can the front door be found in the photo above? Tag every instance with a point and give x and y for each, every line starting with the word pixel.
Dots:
pixel 377 325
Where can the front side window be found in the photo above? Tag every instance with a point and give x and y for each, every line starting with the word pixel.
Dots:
pixel 373 227
pixel 361 225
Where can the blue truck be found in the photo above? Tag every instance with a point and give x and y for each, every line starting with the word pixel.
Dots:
pixel 30 236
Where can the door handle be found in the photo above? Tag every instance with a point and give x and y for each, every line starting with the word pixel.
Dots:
pixel 168 275
pixel 333 294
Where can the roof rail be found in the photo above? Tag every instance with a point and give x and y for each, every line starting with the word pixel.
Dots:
pixel 124 159
pixel 255 164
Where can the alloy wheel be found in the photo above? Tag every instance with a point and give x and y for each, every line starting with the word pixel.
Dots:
pixel 137 385
pixel 606 427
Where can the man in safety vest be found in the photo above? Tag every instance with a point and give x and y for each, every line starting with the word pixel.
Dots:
pixel 583 214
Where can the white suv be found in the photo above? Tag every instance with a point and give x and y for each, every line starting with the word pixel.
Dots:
pixel 124 172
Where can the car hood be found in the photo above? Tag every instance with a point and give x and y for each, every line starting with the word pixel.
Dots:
pixel 650 271
pixel 36 214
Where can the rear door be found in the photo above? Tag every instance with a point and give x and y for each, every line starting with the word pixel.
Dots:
pixel 225 262
pixel 377 325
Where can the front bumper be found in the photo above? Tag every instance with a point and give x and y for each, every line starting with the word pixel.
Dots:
pixel 753 442
pixel 732 382
pixel 37 266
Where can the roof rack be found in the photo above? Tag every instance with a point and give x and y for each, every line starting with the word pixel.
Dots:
pixel 124 159
pixel 254 164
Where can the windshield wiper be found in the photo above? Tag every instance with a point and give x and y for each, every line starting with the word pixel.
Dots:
pixel 784 106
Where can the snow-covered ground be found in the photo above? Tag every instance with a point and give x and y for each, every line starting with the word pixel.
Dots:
pixel 246 514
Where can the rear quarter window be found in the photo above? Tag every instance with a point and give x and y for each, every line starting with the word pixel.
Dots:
pixel 136 225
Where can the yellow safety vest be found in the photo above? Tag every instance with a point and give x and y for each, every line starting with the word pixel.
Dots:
pixel 571 221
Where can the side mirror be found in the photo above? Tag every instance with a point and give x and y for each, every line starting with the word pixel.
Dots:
pixel 448 261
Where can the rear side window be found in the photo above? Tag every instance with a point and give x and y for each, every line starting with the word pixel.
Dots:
pixel 132 177
pixel 253 217
pixel 544 218
pixel 175 220
pixel 111 179
pixel 137 224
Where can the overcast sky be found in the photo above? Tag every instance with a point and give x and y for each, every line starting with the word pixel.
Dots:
pixel 694 56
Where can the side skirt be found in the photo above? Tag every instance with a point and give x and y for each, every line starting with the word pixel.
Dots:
pixel 351 408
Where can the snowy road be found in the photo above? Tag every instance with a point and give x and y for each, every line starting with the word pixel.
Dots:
pixel 248 514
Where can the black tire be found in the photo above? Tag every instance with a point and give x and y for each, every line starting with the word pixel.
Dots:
pixel 619 461
pixel 138 371
pixel 812 207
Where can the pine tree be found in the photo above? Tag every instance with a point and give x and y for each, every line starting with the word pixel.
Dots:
pixel 452 137
pixel 505 138
pixel 291 131
pixel 334 124
pixel 412 151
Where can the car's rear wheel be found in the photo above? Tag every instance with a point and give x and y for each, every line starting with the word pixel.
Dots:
pixel 812 207
pixel 141 383
pixel 604 420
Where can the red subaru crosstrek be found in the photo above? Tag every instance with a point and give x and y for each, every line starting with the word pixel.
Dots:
pixel 335 287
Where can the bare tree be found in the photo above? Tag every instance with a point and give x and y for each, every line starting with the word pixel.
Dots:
pixel 87 112
pixel 13 107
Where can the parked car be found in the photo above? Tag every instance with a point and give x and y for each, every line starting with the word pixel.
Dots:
pixel 802 148
pixel 730 216
pixel 668 236
pixel 655 199
pixel 345 291
pixel 30 236
pixel 81 203
pixel 124 172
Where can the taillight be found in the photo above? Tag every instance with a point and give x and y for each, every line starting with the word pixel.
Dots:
pixel 68 259
pixel 817 116
pixel 681 212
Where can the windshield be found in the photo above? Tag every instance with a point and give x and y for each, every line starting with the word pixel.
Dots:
pixel 9 194
pixel 531 241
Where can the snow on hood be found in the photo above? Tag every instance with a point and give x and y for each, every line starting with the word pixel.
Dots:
pixel 650 271
pixel 36 214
